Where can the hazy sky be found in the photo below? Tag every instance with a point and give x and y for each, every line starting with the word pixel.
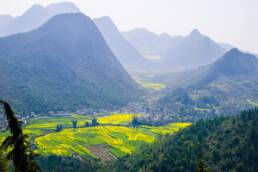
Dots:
pixel 230 21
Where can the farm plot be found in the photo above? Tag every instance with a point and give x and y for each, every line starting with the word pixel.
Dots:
pixel 118 140
pixel 122 119
pixel 102 152
pixel 112 138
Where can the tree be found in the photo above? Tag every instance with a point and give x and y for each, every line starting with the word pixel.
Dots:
pixel 17 145
pixel 87 124
pixel 200 166
pixel 74 122
pixel 135 121
pixel 59 128
pixel 94 122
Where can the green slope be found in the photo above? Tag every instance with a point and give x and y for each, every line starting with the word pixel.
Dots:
pixel 63 65
pixel 228 144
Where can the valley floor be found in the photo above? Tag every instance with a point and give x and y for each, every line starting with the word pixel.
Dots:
pixel 114 136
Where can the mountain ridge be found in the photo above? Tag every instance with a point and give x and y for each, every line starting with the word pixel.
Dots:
pixel 151 44
pixel 71 69
pixel 232 63
pixel 124 51
pixel 26 22
pixel 196 50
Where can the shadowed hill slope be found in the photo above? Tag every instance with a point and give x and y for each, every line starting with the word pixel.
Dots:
pixel 63 65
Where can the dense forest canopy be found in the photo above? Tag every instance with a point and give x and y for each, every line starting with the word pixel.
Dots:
pixel 223 144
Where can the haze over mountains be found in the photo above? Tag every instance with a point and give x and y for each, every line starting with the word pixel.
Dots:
pixel 92 98
pixel 225 46
pixel 63 65
pixel 138 50
pixel 196 50
pixel 233 63
pixel 126 53
pixel 33 18
pixel 152 45
pixel 177 53
pixel 226 86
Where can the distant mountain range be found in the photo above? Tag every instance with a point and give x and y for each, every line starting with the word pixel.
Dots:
pixel 63 65
pixel 37 15
pixel 196 50
pixel 33 18
pixel 176 53
pixel 138 50
pixel 5 18
pixel 225 46
pixel 232 63
pixel 152 45
pixel 229 84
pixel 125 52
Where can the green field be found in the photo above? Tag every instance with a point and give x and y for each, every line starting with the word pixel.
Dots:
pixel 151 85
pixel 113 138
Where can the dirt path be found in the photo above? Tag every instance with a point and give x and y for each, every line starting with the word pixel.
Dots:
pixel 101 152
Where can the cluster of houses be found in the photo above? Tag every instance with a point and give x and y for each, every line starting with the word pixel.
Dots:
pixel 148 115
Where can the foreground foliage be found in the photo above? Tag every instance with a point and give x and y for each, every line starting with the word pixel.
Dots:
pixel 55 163
pixel 17 145
pixel 225 144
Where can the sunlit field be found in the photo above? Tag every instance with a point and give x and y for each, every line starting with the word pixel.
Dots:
pixel 117 119
pixel 114 135
pixel 151 85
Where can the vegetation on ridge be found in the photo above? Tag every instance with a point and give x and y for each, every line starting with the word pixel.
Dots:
pixel 223 144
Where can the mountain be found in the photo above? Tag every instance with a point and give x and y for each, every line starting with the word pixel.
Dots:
pixel 233 63
pixel 61 8
pixel 5 18
pixel 181 79
pixel 124 51
pixel 63 65
pixel 152 45
pixel 196 50
pixel 33 18
pixel 228 85
pixel 226 144
pixel 225 46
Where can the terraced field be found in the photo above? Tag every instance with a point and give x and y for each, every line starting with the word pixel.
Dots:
pixel 112 138
pixel 151 85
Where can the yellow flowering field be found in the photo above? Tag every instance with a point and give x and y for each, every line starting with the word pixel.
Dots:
pixel 116 139
pixel 117 119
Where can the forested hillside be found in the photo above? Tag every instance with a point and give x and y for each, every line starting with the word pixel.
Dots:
pixel 225 144
pixel 125 52
pixel 225 87
pixel 63 65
